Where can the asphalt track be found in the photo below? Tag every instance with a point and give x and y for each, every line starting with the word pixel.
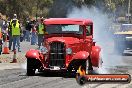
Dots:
pixel 14 75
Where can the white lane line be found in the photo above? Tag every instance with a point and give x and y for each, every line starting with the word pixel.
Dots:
pixel 4 66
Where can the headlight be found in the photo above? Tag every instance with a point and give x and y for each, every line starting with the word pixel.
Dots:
pixel 43 50
pixel 68 51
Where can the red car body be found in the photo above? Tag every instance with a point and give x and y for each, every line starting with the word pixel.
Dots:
pixel 67 49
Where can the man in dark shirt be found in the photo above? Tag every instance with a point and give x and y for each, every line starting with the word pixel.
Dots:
pixel 28 30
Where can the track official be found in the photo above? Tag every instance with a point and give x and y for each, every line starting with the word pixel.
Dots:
pixel 16 32
pixel 41 32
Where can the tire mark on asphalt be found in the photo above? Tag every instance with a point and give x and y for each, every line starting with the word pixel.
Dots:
pixel 16 77
pixel 70 84
pixel 97 85
pixel 4 79
pixel 8 72
pixel 66 83
pixel 55 84
pixel 92 85
pixel 26 83
pixel 50 80
pixel 125 85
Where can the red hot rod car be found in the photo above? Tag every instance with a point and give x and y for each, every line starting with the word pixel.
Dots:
pixel 68 45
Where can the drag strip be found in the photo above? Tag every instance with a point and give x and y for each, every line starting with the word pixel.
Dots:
pixel 16 78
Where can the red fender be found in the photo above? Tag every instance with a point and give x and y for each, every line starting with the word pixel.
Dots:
pixel 33 54
pixel 81 55
pixel 95 55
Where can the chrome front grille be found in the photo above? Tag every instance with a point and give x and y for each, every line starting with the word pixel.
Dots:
pixel 57 54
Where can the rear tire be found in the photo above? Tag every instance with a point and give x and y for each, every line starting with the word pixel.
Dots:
pixel 87 66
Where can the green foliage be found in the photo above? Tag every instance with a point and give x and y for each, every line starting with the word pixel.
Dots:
pixel 57 8
pixel 25 8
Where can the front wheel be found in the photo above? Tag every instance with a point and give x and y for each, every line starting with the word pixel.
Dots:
pixel 31 67
pixel 30 72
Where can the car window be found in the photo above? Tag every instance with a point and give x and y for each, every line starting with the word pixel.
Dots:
pixel 89 30
pixel 76 29
pixel 70 28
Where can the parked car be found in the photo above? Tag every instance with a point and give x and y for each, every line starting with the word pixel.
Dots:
pixel 123 38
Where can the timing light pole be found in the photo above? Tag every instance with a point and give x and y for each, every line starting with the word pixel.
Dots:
pixel 129 14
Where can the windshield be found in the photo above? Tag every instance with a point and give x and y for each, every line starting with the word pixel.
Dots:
pixel 55 29
pixel 126 28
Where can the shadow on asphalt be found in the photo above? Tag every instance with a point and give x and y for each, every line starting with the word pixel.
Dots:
pixel 55 74
pixel 59 74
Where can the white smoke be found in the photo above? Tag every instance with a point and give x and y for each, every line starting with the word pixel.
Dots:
pixel 24 65
pixel 101 33
pixel 100 19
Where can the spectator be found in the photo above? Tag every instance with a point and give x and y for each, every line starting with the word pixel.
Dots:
pixel 4 30
pixel 28 30
pixel 10 34
pixel 1 23
pixel 34 34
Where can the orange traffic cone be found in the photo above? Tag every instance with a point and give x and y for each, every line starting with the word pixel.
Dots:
pixel 6 49
pixel 14 57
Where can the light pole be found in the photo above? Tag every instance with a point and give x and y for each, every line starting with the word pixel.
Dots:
pixel 129 6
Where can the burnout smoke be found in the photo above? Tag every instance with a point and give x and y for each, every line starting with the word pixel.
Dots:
pixel 102 35
pixel 24 65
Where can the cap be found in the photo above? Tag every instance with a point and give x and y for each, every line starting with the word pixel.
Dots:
pixel 42 18
pixel 15 15
pixel 27 21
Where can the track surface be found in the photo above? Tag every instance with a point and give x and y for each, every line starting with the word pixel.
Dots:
pixel 14 76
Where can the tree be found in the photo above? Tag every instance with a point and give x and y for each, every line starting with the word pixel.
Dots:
pixel 24 8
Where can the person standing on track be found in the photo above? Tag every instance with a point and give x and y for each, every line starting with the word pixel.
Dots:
pixel 34 33
pixel 16 32
pixel 28 30
pixel 41 31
